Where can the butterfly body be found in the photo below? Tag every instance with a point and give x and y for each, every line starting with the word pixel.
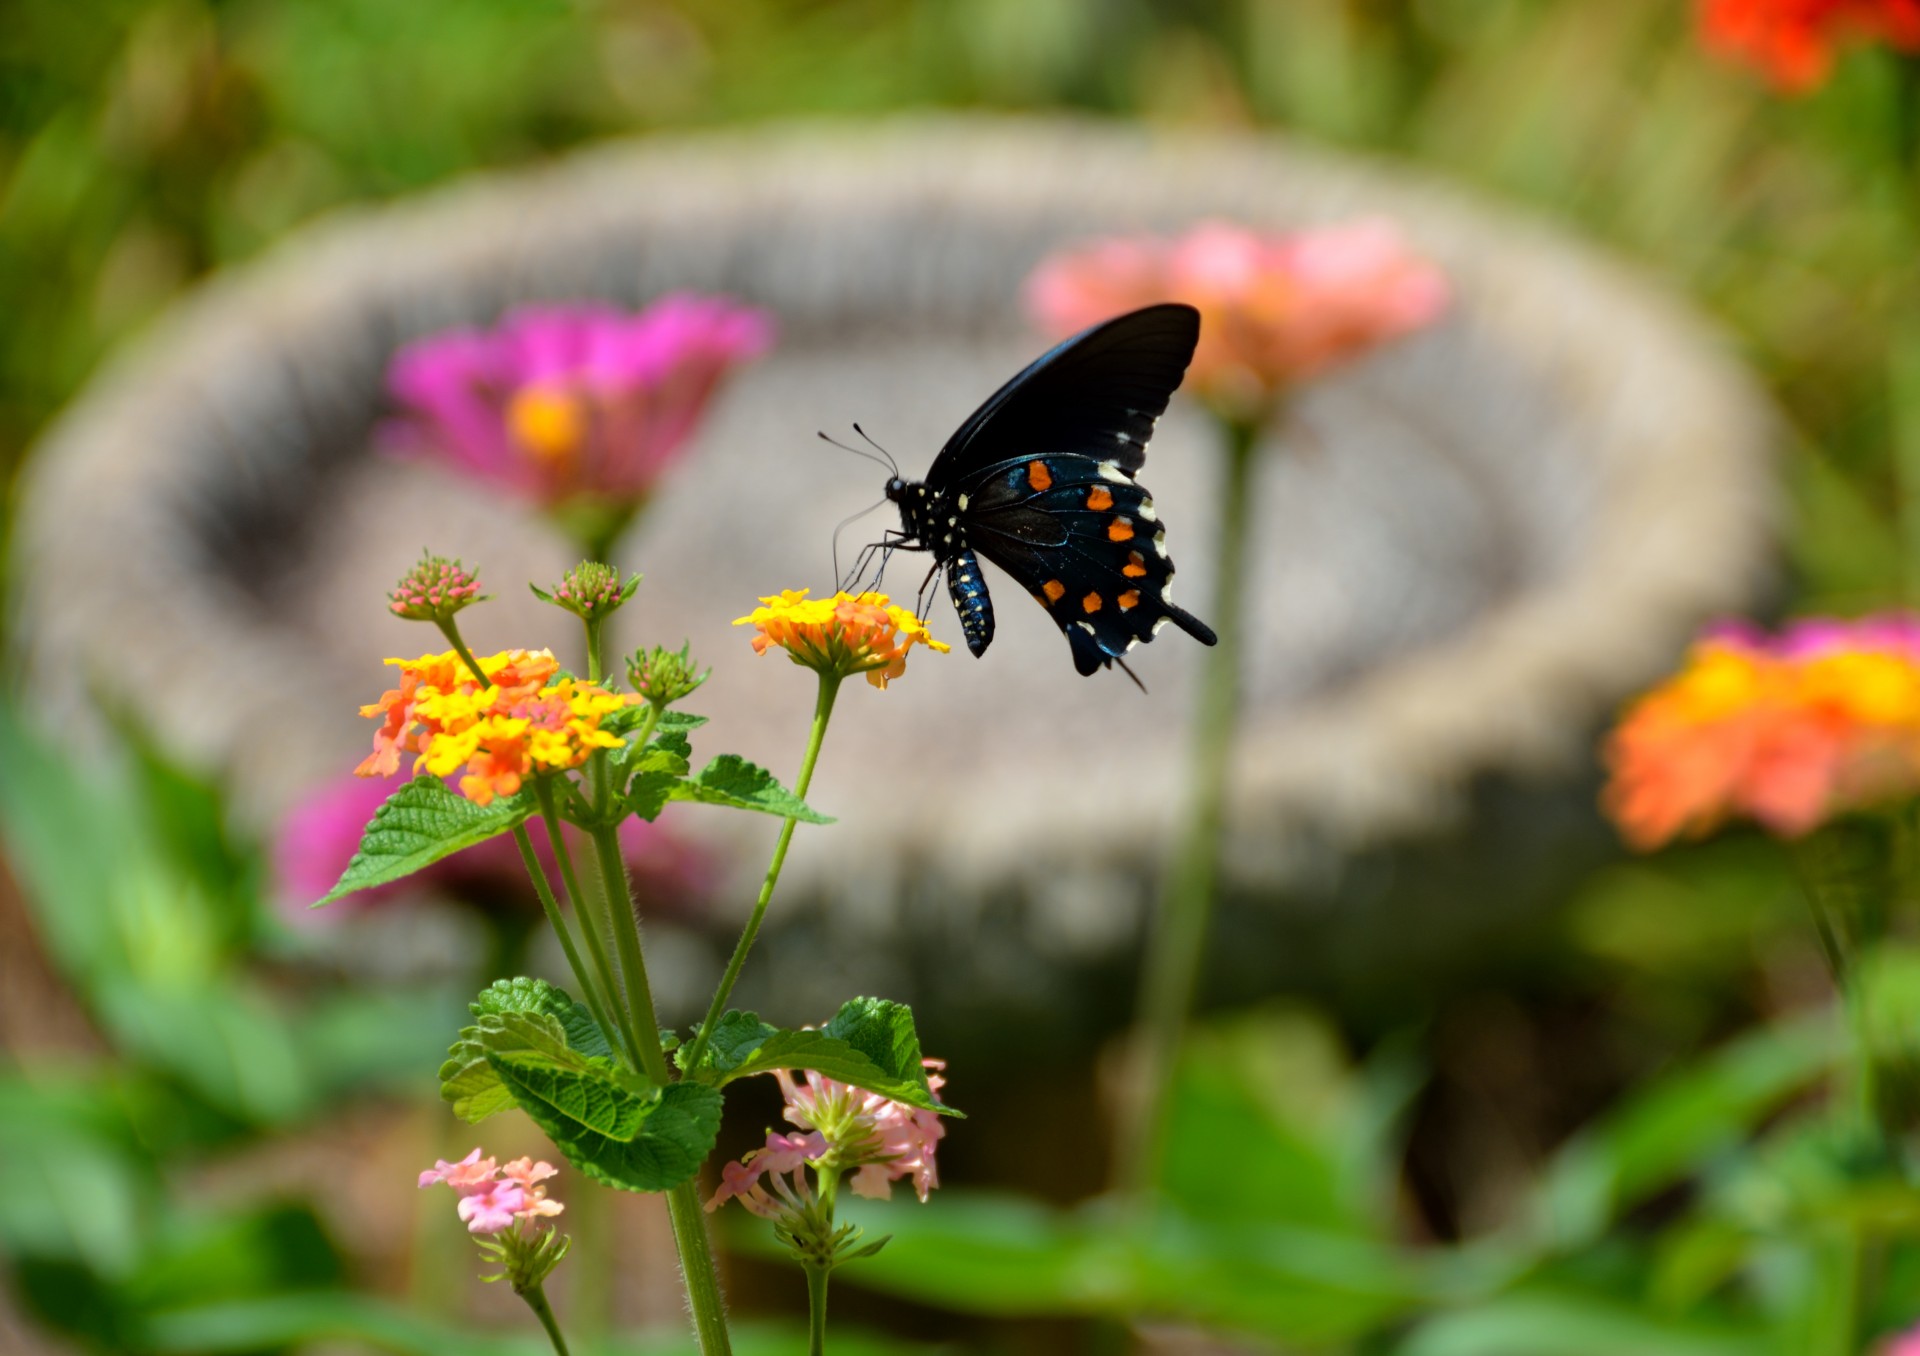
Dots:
pixel 1040 481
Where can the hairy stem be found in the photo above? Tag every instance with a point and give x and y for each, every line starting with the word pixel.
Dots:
pixel 817 1309
pixel 593 923
pixel 536 1299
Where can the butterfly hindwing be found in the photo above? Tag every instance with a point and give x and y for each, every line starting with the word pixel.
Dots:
pixel 1082 537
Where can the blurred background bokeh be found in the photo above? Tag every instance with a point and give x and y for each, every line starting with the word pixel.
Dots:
pixel 1550 1134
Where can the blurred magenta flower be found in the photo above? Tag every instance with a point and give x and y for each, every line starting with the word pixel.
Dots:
pixel 319 836
pixel 1277 309
pixel 1792 42
pixel 579 408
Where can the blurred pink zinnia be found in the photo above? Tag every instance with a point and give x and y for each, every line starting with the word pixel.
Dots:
pixel 1277 309
pixel 560 404
pixel 319 836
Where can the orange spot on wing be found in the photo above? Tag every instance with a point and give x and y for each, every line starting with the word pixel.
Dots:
pixel 1054 589
pixel 1136 566
pixel 1090 603
pixel 1120 529
pixel 1099 498
pixel 1039 476
pixel 1129 600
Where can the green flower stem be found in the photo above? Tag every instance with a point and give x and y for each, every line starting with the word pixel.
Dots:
pixel 617 901
pixel 697 1270
pixel 684 1210
pixel 451 631
pixel 1177 948
pixel 594 627
pixel 592 922
pixel 536 1299
pixel 596 1000
pixel 817 1309
pixel 822 713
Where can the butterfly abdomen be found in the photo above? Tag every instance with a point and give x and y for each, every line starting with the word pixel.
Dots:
pixel 968 589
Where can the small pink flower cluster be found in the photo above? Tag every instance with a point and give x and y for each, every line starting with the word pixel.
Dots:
pixel 845 1127
pixel 493 1196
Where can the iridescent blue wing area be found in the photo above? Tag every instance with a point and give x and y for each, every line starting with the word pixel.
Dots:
pixel 1082 537
pixel 1097 394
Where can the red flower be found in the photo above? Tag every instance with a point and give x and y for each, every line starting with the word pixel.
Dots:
pixel 1793 41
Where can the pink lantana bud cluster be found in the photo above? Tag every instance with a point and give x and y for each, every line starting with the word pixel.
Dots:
pixel 434 590
pixel 590 590
pixel 505 1207
pixel 844 1129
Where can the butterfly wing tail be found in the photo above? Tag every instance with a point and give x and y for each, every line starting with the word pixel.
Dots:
pixel 1192 625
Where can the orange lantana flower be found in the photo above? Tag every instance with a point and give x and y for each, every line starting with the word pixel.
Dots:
pixel 518 724
pixel 842 635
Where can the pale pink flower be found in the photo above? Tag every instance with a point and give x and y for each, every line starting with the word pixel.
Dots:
pixel 528 1175
pixel 888 1140
pixel 1277 308
pixel 568 402
pixel 493 1208
pixel 1904 1344
pixel 782 1154
pixel 472 1173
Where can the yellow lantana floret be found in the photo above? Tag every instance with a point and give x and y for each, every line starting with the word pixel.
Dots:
pixel 842 635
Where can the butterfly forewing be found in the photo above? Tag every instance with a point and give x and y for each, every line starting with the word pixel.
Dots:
pixel 1097 394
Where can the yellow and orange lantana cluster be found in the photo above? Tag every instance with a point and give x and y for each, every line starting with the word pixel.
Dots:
pixel 520 724
pixel 842 635
pixel 1786 730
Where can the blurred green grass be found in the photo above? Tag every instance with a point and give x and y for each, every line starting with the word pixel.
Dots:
pixel 146 142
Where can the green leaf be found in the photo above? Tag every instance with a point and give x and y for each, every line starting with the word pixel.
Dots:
pixel 680 721
pixel 649 792
pixel 421 823
pixel 471 1083
pixel 870 1043
pixel 731 780
pixel 620 1136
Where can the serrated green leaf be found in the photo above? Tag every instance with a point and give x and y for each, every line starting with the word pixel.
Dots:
pixel 733 781
pixel 626 720
pixel 636 1141
pixel 470 1083
pixel 420 824
pixel 681 721
pixel 649 792
pixel 870 1043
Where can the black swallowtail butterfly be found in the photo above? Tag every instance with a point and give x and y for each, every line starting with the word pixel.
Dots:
pixel 1040 481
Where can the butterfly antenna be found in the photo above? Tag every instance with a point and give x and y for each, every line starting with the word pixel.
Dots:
pixel 1130 673
pixel 881 450
pixel 846 522
pixel 888 464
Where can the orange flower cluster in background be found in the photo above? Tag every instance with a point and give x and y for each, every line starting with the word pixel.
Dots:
pixel 1793 41
pixel 1276 308
pixel 1785 730
pixel 842 635
pixel 520 723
